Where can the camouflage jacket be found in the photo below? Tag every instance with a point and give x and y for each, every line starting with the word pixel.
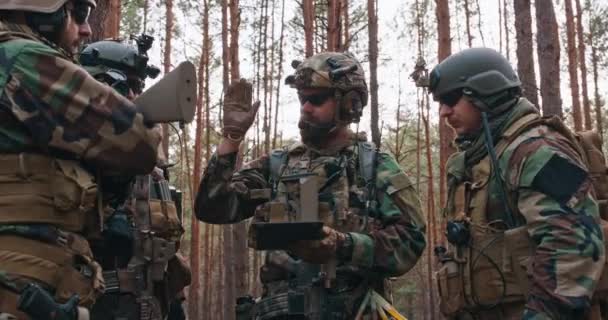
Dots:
pixel 391 249
pixel 549 190
pixel 49 104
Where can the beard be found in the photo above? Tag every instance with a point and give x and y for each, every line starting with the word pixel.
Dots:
pixel 315 134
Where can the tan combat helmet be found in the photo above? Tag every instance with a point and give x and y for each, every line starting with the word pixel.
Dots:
pixel 334 70
pixel 43 6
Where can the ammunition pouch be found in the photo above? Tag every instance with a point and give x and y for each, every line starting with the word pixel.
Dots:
pixel 36 189
pixel 164 220
pixel 67 267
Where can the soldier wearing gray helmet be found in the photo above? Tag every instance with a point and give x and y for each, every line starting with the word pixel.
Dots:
pixel 523 226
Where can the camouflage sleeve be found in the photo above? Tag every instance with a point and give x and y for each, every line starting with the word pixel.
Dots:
pixel 224 196
pixel 395 247
pixel 66 111
pixel 553 195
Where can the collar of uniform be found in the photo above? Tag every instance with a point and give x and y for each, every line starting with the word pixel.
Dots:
pixel 11 30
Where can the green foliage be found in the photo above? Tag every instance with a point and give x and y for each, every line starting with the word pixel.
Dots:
pixel 131 17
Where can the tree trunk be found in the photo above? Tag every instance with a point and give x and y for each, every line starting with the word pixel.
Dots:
pixel 548 51
pixel 373 69
pixel 467 15
pixel 169 25
pixel 573 67
pixel 235 22
pixel 583 65
pixel 308 9
pixel 333 25
pixel 446 134
pixel 228 273
pixel 346 28
pixel 525 57
pixel 598 100
pixel 106 19
pixel 280 76
pixel 205 58
pixel 225 47
pixel 430 207
pixel 505 20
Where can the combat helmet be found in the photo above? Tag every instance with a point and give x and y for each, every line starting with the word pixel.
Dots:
pixel 478 72
pixel 111 58
pixel 338 71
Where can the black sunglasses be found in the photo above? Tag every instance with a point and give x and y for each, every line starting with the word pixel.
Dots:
pixel 80 12
pixel 316 99
pixel 451 98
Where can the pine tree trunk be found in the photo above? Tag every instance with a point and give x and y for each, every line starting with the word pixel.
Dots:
pixel 548 50
pixel 169 25
pixel 446 134
pixel 583 65
pixel 598 100
pixel 525 58
pixel 235 22
pixel 308 10
pixel 346 28
pixel 505 20
pixel 333 25
pixel 228 273
pixel 467 15
pixel 105 19
pixel 279 77
pixel 373 69
pixel 573 67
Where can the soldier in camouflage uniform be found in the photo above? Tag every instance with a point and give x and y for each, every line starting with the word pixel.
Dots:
pixel 60 131
pixel 125 68
pixel 523 226
pixel 374 227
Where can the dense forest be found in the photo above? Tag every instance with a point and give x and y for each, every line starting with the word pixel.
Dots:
pixel 559 48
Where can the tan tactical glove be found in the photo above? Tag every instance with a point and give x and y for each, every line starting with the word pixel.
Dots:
pixel 319 251
pixel 239 113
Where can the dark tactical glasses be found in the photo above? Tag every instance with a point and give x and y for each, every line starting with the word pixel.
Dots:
pixel 451 98
pixel 80 12
pixel 315 99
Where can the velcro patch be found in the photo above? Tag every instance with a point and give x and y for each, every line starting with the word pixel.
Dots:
pixel 398 182
pixel 559 179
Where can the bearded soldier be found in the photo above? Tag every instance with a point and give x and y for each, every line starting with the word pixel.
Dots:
pixel 374 227
pixel 60 130
pixel 125 67
pixel 523 226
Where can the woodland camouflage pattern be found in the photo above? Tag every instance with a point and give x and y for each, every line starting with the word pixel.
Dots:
pixel 390 248
pixel 553 193
pixel 51 104
pixel 550 192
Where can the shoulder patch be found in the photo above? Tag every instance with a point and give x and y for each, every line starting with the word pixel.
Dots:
pixel 559 178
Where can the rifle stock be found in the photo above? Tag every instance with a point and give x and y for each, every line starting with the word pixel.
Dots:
pixel 172 98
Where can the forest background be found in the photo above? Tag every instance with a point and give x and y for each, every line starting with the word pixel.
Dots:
pixel 559 48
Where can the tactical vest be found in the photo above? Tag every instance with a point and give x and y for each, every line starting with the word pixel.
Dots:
pixel 495 270
pixel 343 200
pixel 154 263
pixel 47 205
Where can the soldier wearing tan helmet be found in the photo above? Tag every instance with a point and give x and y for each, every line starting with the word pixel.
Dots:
pixel 372 222
pixel 61 134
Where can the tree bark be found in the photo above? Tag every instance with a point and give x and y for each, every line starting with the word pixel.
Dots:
pixel 346 28
pixel 373 69
pixel 583 66
pixel 205 58
pixel 308 10
pixel 548 51
pixel 524 51
pixel 598 100
pixel 169 25
pixel 446 134
pixel 467 15
pixel 430 207
pixel 333 25
pixel 280 75
pixel 106 19
pixel 505 20
pixel 573 67
pixel 235 22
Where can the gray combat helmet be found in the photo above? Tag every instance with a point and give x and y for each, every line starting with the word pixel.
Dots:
pixel 113 56
pixel 482 72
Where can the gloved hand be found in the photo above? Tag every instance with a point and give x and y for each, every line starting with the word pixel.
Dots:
pixel 319 251
pixel 239 113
